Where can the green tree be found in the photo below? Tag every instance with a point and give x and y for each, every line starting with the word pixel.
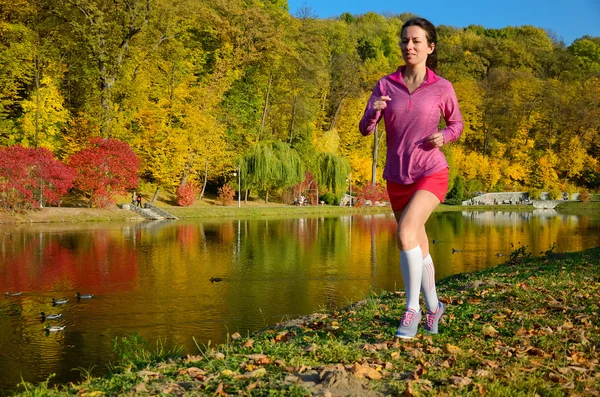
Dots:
pixel 272 165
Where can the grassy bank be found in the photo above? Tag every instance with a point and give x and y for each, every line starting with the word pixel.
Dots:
pixel 208 209
pixel 528 327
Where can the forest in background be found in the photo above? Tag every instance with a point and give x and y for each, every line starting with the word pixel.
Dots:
pixel 200 88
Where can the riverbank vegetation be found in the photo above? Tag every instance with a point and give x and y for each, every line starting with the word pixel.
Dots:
pixel 529 326
pixel 249 96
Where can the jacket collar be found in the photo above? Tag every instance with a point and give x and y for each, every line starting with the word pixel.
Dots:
pixel 430 77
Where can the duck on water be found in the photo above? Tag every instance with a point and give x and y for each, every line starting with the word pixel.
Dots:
pixel 50 316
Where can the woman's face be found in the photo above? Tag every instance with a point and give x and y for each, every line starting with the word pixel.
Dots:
pixel 414 46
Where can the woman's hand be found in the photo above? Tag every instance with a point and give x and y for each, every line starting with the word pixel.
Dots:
pixel 436 140
pixel 381 102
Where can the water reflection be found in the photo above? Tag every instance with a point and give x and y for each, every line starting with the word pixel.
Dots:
pixel 153 277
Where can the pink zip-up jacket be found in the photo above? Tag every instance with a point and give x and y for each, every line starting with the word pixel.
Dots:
pixel 409 119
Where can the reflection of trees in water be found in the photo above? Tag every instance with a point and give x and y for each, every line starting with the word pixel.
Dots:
pixel 497 217
pixel 42 261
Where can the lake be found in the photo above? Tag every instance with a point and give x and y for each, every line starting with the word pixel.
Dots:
pixel 153 278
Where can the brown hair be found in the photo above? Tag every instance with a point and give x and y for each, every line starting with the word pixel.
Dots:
pixel 431 38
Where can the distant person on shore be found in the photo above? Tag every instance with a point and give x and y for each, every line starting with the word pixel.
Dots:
pixel 410 102
pixel 133 198
pixel 139 200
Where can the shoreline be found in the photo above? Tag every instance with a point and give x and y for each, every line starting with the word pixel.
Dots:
pixel 528 325
pixel 116 214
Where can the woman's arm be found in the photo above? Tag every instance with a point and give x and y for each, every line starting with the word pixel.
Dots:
pixel 452 116
pixel 372 115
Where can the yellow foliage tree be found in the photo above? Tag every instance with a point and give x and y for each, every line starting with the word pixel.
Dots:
pixel 44 117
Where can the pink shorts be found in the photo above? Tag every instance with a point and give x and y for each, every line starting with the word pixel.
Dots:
pixel 436 183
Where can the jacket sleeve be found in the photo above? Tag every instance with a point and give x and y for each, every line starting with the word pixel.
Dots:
pixel 452 116
pixel 371 116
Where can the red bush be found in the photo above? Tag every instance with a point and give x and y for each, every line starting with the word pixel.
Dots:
pixel 105 168
pixel 371 193
pixel 186 195
pixel 28 175
pixel 226 194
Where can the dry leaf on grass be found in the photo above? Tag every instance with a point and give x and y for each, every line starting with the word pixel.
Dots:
pixel 365 371
pixel 452 349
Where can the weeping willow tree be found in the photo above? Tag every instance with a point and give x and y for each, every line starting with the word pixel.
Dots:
pixel 332 172
pixel 272 165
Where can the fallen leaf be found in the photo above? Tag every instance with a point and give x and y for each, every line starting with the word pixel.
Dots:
pixel 481 389
pixel 311 348
pixel 460 380
pixel 251 386
pixel 489 330
pixel 236 336
pixel 452 349
pixel 409 392
pixel 567 325
pixel 139 388
pixel 219 356
pixel 256 357
pixel 264 361
pixel 282 336
pixel 93 394
pixel 491 364
pixel 419 371
pixel 149 374
pixel 220 391
pixel 172 388
pixel 227 372
pixel 191 359
pixel 365 371
pixel 554 377
pixel 193 372
pixel 256 373
pixel 249 343
pixel 482 373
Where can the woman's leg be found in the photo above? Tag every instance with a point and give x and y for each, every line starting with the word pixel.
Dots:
pixel 411 234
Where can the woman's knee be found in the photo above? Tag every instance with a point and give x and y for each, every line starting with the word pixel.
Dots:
pixel 408 238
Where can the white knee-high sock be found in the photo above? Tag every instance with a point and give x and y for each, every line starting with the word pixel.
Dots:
pixel 411 264
pixel 428 284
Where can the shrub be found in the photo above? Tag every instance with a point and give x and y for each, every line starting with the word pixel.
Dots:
pixel 226 194
pixel 452 201
pixel 534 193
pixel 555 194
pixel 330 198
pixel 186 194
pixel 371 193
pixel 584 196
pixel 458 190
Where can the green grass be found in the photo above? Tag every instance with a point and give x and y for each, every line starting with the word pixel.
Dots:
pixel 527 327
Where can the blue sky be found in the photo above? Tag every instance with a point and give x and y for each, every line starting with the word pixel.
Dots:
pixel 568 19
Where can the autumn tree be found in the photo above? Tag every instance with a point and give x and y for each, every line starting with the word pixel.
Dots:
pixel 106 167
pixel 31 178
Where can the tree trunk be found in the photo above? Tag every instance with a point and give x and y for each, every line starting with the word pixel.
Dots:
pixel 262 124
pixel 155 195
pixel 293 119
pixel 205 179
pixel 337 112
pixel 37 100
